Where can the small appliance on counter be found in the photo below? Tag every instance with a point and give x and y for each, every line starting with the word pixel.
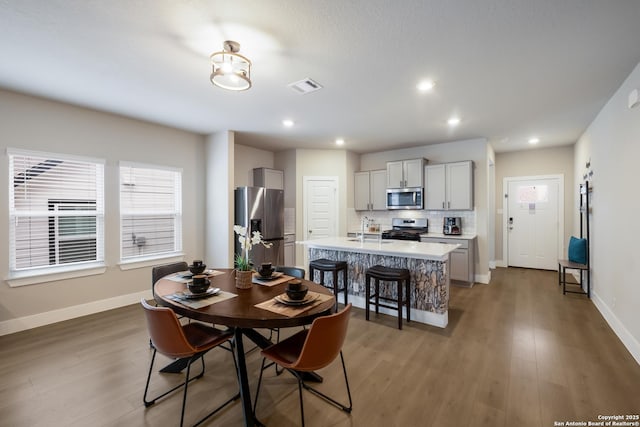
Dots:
pixel 452 225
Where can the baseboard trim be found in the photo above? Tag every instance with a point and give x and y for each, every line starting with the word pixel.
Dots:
pixel 618 327
pixel 41 319
pixel 500 263
pixel 483 278
pixel 427 317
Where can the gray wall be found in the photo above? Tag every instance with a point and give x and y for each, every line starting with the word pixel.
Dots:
pixel 36 124
pixel 547 161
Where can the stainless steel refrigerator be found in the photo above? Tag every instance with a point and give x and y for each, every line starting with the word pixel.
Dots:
pixel 261 209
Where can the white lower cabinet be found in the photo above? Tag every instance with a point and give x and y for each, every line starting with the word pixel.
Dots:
pixel 462 260
pixel 290 250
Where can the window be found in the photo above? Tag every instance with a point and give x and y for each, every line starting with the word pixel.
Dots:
pixel 150 212
pixel 56 209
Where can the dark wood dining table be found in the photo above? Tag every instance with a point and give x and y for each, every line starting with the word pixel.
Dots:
pixel 241 314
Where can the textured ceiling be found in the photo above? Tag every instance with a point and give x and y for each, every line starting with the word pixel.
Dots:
pixel 509 68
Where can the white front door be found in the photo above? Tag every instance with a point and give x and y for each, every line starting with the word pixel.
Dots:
pixel 532 222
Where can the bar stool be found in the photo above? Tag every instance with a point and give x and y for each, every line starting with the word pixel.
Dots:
pixel 328 266
pixel 388 274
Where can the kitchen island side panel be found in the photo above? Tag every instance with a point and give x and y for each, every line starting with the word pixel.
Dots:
pixel 429 278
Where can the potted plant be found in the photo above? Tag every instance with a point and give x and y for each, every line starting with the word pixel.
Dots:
pixel 243 266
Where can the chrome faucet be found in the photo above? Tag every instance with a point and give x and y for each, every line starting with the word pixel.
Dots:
pixel 364 220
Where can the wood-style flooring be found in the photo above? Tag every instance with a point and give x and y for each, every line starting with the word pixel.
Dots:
pixel 516 353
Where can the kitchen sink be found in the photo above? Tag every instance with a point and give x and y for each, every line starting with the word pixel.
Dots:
pixel 369 240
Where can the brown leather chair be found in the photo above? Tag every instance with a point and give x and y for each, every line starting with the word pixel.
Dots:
pixel 309 350
pixel 191 341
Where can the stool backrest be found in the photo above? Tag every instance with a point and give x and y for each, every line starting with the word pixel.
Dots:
pixel 296 272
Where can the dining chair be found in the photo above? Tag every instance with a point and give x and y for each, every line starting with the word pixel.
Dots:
pixel 309 350
pixel 296 272
pixel 174 340
pixel 160 271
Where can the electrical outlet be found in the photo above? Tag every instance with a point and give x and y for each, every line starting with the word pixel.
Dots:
pixel 613 302
pixel 355 287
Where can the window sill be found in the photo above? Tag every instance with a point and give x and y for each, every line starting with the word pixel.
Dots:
pixel 150 261
pixel 25 278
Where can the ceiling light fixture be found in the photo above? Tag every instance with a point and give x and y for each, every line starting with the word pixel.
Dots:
pixel 426 85
pixel 453 121
pixel 534 140
pixel 287 123
pixel 339 141
pixel 231 70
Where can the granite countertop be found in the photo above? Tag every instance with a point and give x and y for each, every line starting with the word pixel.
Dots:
pixel 449 236
pixel 403 248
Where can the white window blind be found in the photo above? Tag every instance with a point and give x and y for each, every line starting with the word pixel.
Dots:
pixel 56 209
pixel 150 211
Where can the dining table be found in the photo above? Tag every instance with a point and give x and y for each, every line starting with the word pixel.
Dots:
pixel 244 311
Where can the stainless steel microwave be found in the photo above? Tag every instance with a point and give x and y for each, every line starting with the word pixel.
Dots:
pixel 405 198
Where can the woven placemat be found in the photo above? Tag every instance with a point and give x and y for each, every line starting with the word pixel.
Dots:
pixel 293 310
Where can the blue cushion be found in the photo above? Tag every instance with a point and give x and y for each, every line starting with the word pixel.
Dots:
pixel 578 250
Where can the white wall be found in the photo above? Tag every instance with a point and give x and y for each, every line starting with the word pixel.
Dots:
pixel 219 154
pixel 544 161
pixel 322 163
pixel 611 144
pixel 36 124
pixel 246 159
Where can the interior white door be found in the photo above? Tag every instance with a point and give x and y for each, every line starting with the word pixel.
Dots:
pixel 321 208
pixel 532 223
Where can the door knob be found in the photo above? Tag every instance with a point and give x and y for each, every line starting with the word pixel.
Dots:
pixel 310 231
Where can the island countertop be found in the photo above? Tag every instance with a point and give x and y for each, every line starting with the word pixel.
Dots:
pixel 402 248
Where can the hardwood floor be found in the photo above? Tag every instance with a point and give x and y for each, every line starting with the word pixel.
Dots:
pixel 516 353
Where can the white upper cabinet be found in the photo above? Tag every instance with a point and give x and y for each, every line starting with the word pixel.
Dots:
pixel 449 186
pixel 370 190
pixel 268 178
pixel 435 197
pixel 405 173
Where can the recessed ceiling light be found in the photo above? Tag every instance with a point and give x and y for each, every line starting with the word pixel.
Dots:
pixel 287 123
pixel 453 121
pixel 426 85
pixel 339 141
pixel 534 140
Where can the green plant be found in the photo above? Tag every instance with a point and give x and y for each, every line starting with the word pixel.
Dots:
pixel 242 261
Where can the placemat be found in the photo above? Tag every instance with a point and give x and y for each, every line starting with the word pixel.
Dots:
pixel 185 276
pixel 284 278
pixel 289 310
pixel 199 303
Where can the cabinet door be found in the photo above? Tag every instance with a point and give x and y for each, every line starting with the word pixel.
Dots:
pixel 395 177
pixel 460 265
pixel 361 191
pixel 460 186
pixel 435 187
pixel 413 170
pixel 378 190
pixel 274 179
pixel 289 254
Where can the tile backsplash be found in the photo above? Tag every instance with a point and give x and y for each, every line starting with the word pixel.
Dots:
pixel 436 218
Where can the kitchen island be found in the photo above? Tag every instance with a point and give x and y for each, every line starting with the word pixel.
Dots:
pixel 427 262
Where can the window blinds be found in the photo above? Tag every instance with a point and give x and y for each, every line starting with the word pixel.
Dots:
pixel 150 211
pixel 56 209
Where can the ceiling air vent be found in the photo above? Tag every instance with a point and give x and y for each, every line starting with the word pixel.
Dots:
pixel 305 86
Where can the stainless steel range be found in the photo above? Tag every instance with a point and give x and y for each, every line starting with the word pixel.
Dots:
pixel 406 229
